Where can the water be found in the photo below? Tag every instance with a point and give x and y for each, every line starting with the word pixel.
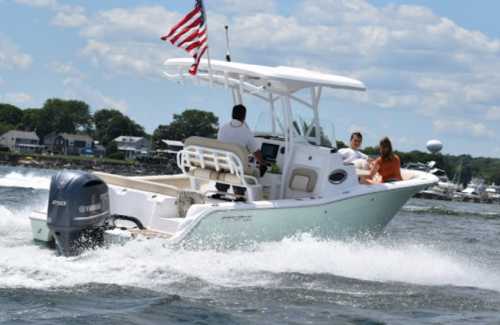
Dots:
pixel 436 263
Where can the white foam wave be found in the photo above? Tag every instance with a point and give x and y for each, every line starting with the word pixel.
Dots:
pixel 15 227
pixel 152 264
pixel 25 180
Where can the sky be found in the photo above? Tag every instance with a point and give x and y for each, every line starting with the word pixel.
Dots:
pixel 431 67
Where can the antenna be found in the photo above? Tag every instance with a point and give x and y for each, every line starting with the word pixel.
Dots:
pixel 228 50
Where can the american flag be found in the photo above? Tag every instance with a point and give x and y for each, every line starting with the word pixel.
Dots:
pixel 190 34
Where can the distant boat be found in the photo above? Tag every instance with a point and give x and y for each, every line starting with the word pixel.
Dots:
pixel 474 192
pixel 443 190
pixel 493 193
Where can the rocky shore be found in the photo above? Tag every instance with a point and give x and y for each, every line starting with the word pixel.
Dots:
pixel 152 166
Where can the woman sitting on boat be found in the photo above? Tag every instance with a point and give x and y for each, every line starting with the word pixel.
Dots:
pixel 388 165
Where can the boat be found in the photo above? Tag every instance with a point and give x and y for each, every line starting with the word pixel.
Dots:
pixel 445 188
pixel 435 193
pixel 474 192
pixel 308 189
pixel 493 193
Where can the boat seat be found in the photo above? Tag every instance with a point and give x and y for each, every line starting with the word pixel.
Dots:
pixel 408 174
pixel 211 161
pixel 138 184
pixel 223 177
pixel 303 180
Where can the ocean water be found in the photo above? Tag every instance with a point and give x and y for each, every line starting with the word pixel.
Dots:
pixel 437 263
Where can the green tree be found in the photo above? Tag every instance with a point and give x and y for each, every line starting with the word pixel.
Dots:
pixel 66 115
pixel 30 120
pixel 10 115
pixel 191 122
pixel 112 151
pixel 340 144
pixel 5 128
pixel 60 115
pixel 110 124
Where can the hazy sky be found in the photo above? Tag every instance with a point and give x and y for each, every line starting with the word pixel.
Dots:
pixel 432 68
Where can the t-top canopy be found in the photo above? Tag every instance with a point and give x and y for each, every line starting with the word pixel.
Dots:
pixel 277 79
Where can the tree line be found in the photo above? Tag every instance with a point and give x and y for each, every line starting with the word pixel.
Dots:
pixel 68 116
pixel 74 117
pixel 104 125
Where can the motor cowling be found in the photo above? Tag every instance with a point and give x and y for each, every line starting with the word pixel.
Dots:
pixel 78 211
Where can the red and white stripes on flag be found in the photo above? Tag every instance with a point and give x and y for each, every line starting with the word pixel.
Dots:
pixel 190 34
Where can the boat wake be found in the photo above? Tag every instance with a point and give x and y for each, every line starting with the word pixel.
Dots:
pixel 152 264
pixel 39 180
pixel 448 211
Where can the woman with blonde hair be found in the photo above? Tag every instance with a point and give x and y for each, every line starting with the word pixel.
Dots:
pixel 388 165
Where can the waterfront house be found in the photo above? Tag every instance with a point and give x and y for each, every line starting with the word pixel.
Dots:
pixel 21 141
pixel 99 150
pixel 172 147
pixel 68 144
pixel 133 147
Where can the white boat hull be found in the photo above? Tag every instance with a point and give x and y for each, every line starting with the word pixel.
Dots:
pixel 364 215
pixel 233 224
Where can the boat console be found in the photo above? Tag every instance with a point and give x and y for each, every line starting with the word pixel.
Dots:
pixel 270 152
pixel 273 150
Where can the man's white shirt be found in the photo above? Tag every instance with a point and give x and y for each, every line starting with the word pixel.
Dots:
pixel 349 155
pixel 236 132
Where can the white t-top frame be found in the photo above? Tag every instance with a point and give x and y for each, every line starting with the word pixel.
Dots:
pixel 272 85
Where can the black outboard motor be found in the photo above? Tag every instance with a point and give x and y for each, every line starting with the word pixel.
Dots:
pixel 78 210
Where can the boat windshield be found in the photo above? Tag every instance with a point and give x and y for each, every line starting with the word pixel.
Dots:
pixel 307 129
pixel 265 120
pixel 320 132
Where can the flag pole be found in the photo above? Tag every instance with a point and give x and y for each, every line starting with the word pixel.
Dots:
pixel 210 76
pixel 228 49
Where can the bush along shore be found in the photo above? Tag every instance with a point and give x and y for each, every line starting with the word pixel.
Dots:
pixel 149 166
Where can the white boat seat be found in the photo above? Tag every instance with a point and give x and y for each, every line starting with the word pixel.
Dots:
pixel 211 160
pixel 303 180
pixel 408 174
pixel 223 177
pixel 237 150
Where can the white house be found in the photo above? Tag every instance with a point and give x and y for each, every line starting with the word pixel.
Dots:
pixel 133 147
pixel 68 144
pixel 21 141
pixel 173 146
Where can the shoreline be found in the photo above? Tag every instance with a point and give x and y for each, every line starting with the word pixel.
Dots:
pixel 156 166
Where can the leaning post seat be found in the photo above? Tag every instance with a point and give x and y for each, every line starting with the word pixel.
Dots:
pixel 211 160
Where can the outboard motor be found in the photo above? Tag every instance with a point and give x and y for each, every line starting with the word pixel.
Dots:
pixel 78 210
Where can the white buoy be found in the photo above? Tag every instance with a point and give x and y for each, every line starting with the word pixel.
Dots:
pixel 434 146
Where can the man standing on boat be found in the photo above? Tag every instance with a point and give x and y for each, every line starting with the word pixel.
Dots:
pixel 237 132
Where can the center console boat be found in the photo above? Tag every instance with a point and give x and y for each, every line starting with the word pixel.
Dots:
pixel 308 189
